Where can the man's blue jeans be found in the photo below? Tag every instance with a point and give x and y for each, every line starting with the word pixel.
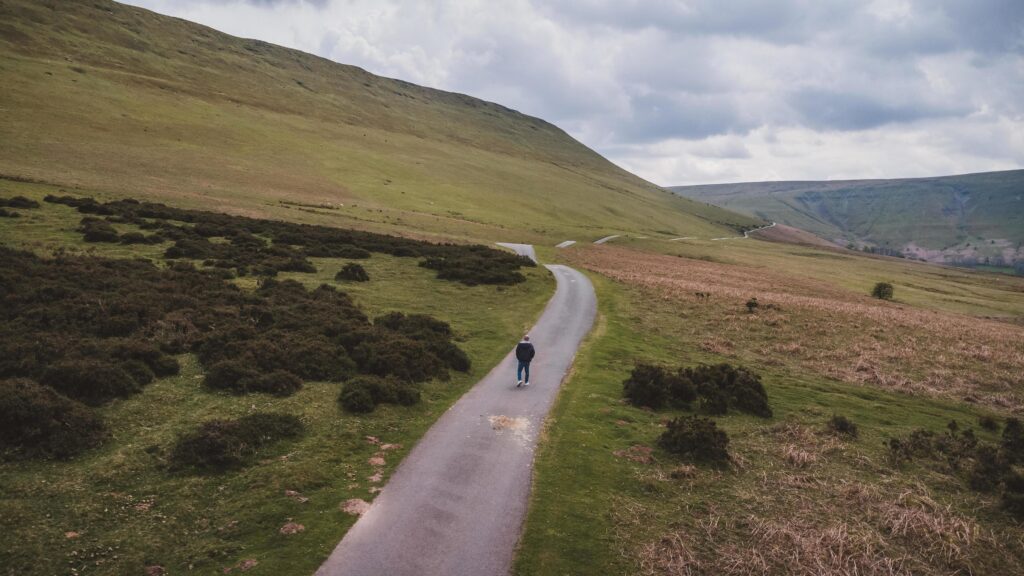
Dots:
pixel 523 366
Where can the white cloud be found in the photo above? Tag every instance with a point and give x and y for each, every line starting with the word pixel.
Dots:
pixel 701 91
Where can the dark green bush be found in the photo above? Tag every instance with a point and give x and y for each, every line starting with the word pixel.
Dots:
pixel 646 387
pixel 357 400
pixel 988 423
pixel 842 426
pixel 94 230
pixel 363 393
pixel 752 305
pixel 1013 492
pixel 138 370
pixel 883 291
pixel 8 214
pixel 93 382
pixel 222 444
pixel 352 272
pixel 734 387
pixel 1013 440
pixel 232 375
pixel 697 439
pixel 18 202
pixel 36 421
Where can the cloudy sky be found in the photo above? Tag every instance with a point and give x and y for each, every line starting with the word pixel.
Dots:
pixel 699 91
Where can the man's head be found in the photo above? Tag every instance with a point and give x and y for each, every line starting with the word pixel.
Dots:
pixel 526 338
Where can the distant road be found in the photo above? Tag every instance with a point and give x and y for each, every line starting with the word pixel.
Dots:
pixel 606 238
pixel 745 234
pixel 521 249
pixel 455 506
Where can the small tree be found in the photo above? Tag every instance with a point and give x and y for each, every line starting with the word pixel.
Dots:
pixel 882 291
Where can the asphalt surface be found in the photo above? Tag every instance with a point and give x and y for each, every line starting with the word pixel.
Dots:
pixel 521 249
pixel 455 506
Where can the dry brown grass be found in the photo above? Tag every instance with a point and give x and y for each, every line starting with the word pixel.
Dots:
pixel 825 329
pixel 823 511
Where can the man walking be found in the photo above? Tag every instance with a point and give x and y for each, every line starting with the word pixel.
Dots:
pixel 524 353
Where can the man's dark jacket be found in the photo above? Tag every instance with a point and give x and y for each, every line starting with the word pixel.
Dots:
pixel 525 352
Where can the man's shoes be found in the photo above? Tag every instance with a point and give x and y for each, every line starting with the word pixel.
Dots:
pixel 527 384
pixel 520 383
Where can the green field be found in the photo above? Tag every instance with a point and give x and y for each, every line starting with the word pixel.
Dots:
pixel 945 219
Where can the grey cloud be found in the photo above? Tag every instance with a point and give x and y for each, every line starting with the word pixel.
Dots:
pixel 827 109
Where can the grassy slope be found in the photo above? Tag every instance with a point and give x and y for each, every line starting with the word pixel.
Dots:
pixel 116 98
pixel 594 512
pixel 130 513
pixel 945 213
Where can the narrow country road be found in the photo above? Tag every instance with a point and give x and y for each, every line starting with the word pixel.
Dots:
pixel 456 504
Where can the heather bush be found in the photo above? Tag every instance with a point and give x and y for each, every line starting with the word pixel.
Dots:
pixel 362 394
pixel 94 230
pixel 18 202
pixel 697 439
pixel 716 389
pixel 8 214
pixel 222 444
pixel 883 291
pixel 357 399
pixel 36 421
pixel 352 272
pixel 988 423
pixel 842 426
pixel 1013 440
pixel 93 382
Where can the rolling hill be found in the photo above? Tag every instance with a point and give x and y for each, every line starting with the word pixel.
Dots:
pixel 121 100
pixel 954 219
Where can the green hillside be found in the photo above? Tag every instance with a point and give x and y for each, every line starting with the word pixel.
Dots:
pixel 945 219
pixel 121 101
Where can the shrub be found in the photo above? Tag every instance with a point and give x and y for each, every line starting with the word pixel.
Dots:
pixel 1013 439
pixel 94 230
pixel 882 291
pixel 989 469
pixel 357 400
pixel 391 354
pixel 842 426
pixel 695 438
pixel 93 382
pixel 36 421
pixel 278 383
pixel 18 202
pixel 138 371
pixel 8 214
pixel 1013 493
pixel 646 387
pixel 353 272
pixel 221 444
pixel 724 386
pixel 378 391
pixel 988 423
pixel 233 375
pixel 752 305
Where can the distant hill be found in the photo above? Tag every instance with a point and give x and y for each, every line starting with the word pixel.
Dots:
pixel 954 219
pixel 115 98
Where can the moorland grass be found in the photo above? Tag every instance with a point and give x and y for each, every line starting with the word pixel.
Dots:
pixel 777 507
pixel 128 509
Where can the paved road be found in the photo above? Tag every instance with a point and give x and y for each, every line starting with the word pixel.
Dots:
pixel 456 504
pixel 521 249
